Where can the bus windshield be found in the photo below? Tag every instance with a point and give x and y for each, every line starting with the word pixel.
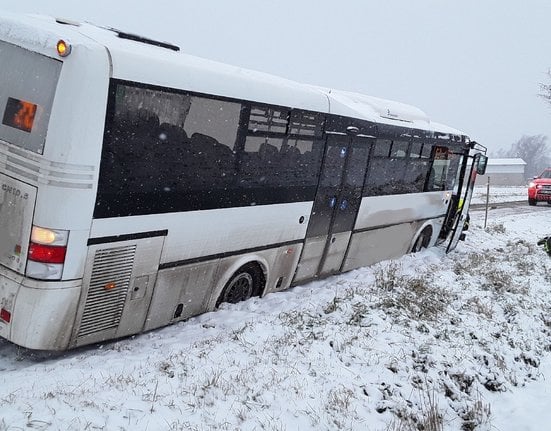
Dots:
pixel 26 96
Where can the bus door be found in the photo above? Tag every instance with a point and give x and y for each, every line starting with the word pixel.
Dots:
pixel 465 199
pixel 335 207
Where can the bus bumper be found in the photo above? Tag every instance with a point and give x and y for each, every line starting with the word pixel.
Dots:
pixel 37 314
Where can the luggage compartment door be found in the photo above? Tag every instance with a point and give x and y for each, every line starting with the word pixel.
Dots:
pixel 117 288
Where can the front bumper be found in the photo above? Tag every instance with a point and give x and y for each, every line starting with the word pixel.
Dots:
pixel 542 196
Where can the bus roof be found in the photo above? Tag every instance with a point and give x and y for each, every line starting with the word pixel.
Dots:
pixel 158 63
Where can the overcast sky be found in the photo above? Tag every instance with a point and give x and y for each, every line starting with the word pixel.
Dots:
pixel 475 65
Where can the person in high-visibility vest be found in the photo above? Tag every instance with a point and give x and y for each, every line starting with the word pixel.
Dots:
pixel 546 243
pixel 467 216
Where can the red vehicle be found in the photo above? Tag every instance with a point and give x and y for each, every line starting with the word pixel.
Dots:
pixel 539 188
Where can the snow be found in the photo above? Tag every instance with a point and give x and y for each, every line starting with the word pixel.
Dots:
pixel 463 338
pixel 499 194
pixel 13 27
pixel 525 409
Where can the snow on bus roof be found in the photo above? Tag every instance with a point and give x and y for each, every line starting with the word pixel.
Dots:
pixel 442 128
pixel 142 62
pixel 378 109
pixel 27 32
pixel 158 63
pixel 384 111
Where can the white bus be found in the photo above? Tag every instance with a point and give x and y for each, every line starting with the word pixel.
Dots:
pixel 141 186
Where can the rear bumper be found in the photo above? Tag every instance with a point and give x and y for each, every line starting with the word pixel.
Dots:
pixel 42 313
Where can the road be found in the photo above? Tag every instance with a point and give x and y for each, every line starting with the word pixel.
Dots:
pixel 499 212
pixel 519 207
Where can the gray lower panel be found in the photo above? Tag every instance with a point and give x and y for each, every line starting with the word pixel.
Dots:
pixel 310 259
pixel 313 253
pixel 189 290
pixel 369 247
pixel 335 252
pixel 181 293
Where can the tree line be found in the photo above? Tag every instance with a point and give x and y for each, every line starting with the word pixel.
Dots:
pixel 546 89
pixel 534 150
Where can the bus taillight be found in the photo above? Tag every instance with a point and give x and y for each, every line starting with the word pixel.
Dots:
pixel 47 250
pixel 47 253
pixel 5 315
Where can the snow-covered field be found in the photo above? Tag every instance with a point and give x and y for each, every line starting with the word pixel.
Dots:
pixel 500 194
pixel 429 341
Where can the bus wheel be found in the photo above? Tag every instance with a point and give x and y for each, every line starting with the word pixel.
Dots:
pixel 532 202
pixel 422 240
pixel 245 283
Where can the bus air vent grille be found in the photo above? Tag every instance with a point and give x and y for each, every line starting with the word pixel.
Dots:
pixel 108 289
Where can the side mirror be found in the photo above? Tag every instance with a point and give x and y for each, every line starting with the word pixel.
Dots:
pixel 481 164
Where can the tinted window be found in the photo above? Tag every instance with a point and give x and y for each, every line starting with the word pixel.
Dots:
pixel 382 148
pixel 306 123
pixel 415 150
pixel 267 119
pixel 397 167
pixel 416 175
pixel 426 151
pixel 399 149
pixel 277 163
pixel 167 151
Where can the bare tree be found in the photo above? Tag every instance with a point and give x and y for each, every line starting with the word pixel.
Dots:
pixel 546 89
pixel 534 151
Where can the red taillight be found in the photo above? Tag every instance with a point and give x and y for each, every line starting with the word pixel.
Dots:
pixel 5 315
pixel 47 253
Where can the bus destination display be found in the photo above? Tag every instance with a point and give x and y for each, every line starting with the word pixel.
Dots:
pixel 19 114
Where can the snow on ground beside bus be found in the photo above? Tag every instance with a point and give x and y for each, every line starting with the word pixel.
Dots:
pixel 500 194
pixel 461 339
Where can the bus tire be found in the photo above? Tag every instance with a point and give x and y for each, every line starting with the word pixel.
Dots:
pixel 532 202
pixel 423 240
pixel 245 283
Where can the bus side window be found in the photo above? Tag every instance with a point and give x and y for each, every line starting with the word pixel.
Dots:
pixel 211 155
pixel 172 135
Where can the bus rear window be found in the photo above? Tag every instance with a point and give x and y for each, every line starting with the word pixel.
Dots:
pixel 27 87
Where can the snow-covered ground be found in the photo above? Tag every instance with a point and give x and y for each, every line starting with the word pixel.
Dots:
pixel 456 342
pixel 500 194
